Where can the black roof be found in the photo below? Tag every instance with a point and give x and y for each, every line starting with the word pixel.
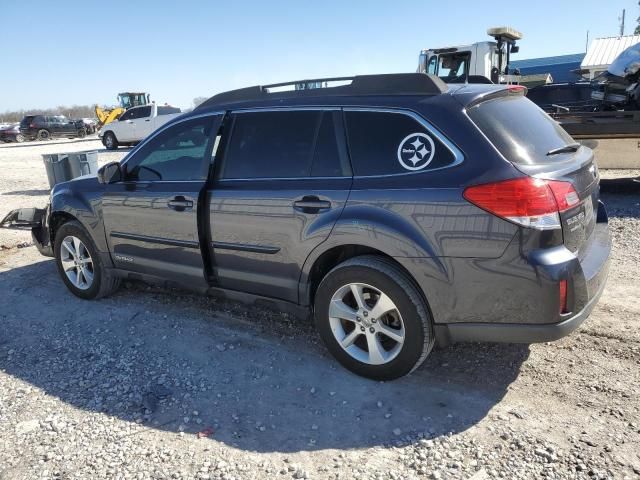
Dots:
pixel 386 84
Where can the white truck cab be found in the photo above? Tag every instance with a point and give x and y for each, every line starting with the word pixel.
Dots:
pixel 482 60
pixel 135 124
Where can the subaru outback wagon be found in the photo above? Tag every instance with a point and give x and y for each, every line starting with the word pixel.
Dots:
pixel 400 210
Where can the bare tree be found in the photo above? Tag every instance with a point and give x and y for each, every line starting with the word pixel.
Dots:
pixel 637 31
pixel 198 100
pixel 73 111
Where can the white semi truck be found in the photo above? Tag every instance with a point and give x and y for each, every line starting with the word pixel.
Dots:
pixel 479 62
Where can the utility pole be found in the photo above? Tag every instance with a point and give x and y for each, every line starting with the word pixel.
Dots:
pixel 586 45
pixel 622 23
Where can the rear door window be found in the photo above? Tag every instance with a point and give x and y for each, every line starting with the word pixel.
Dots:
pixel 270 145
pixel 391 143
pixel 520 130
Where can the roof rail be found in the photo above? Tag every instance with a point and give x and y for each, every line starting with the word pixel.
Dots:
pixel 384 84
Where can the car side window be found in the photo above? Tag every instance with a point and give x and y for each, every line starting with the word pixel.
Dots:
pixel 143 112
pixel 175 154
pixel 128 115
pixel 270 144
pixel 328 160
pixel 388 143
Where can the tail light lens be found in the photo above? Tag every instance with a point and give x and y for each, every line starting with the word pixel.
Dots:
pixel 32 125
pixel 563 296
pixel 530 202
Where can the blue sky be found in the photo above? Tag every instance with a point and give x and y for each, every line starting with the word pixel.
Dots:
pixel 81 52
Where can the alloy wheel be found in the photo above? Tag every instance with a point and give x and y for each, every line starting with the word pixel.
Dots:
pixel 76 262
pixel 366 323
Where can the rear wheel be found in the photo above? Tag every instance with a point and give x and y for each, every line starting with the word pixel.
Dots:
pixel 372 318
pixel 82 133
pixel 79 263
pixel 110 141
pixel 44 134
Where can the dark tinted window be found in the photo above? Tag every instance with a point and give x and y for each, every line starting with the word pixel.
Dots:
pixel 520 130
pixel 128 115
pixel 176 154
pixel 328 161
pixel 142 112
pixel 271 144
pixel 166 110
pixel 384 143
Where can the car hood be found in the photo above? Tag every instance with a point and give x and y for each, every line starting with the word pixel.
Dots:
pixel 84 183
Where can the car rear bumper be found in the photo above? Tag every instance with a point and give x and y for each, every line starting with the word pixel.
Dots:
pixel 587 276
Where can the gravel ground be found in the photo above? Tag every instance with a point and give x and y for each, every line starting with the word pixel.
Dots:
pixel 163 384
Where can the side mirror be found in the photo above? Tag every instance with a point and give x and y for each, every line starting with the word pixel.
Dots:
pixel 110 173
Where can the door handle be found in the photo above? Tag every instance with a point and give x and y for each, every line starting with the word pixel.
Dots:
pixel 311 204
pixel 148 120
pixel 180 203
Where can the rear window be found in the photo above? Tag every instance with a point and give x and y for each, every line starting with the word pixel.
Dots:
pixel 519 129
pixel 165 110
pixel 392 143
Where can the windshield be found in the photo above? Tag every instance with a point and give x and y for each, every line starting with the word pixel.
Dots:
pixel 520 130
pixel 453 66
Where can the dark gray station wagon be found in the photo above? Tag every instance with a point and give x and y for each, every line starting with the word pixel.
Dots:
pixel 400 210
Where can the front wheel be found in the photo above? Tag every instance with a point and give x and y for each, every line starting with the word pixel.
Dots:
pixel 372 318
pixel 20 138
pixel 79 263
pixel 82 133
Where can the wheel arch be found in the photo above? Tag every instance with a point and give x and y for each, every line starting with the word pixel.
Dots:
pixel 323 262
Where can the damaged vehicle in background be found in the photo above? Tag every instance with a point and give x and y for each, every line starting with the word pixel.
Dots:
pixel 46 127
pixel 11 133
pixel 399 210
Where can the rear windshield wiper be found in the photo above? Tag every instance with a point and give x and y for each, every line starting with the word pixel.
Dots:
pixel 572 147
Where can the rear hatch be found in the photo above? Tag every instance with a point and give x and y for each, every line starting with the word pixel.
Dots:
pixel 538 146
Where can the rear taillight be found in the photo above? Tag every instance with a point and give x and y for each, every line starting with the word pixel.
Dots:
pixel 563 296
pixel 527 201
pixel 32 125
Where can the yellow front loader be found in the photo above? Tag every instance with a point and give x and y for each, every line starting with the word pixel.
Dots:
pixel 126 100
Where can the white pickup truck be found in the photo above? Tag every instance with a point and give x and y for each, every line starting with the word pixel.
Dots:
pixel 135 124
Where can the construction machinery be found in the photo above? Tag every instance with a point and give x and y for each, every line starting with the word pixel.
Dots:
pixel 126 100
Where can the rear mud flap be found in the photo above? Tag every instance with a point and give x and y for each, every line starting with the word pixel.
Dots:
pixel 34 219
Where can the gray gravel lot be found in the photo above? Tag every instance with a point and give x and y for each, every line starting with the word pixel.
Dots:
pixel 161 384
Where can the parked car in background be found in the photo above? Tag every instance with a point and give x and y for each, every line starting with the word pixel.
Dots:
pixel 90 125
pixel 45 127
pixel 11 133
pixel 135 124
pixel 398 209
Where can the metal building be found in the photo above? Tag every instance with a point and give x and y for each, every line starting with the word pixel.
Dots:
pixel 603 51
pixel 562 67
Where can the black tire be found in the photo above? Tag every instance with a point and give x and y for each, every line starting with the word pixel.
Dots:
pixel 110 141
pixel 82 133
pixel 387 277
pixel 43 134
pixel 104 282
pixel 20 138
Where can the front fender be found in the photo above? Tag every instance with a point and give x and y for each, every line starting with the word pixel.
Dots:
pixel 85 207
